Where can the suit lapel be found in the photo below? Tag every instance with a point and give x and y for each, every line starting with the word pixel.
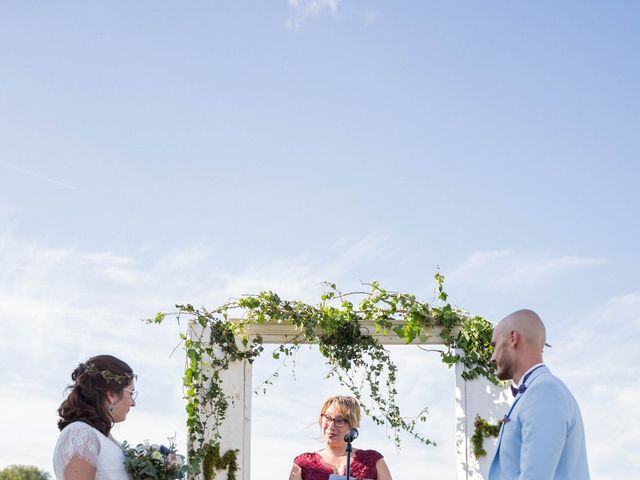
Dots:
pixel 533 376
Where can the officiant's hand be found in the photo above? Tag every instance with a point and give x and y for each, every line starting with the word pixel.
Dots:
pixel 296 473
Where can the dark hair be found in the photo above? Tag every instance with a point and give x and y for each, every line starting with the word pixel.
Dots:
pixel 87 400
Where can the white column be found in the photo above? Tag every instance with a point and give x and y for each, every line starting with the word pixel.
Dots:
pixel 236 428
pixel 476 397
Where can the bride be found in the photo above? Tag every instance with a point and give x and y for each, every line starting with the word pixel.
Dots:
pixel 101 395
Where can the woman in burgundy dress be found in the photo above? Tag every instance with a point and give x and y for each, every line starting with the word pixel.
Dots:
pixel 338 416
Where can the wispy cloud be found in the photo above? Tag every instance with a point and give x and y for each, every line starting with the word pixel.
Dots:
pixel 300 276
pixel 305 9
pixel 591 352
pixel 39 176
pixel 61 305
pixel 7 209
pixel 594 356
pixel 53 298
pixel 371 16
pixel 500 269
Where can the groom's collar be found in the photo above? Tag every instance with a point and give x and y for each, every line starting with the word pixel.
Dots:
pixel 524 375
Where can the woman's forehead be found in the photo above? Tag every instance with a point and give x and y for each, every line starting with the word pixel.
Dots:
pixel 335 409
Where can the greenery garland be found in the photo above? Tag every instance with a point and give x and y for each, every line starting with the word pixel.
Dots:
pixel 483 429
pixel 107 375
pixel 219 337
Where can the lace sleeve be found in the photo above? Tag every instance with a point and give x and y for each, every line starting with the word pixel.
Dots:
pixel 77 440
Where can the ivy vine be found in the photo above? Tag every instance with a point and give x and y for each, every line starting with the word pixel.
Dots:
pixel 483 429
pixel 212 462
pixel 356 359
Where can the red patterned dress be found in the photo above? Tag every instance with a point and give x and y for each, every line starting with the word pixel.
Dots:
pixel 363 465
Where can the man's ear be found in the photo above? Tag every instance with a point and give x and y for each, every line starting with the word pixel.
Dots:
pixel 514 338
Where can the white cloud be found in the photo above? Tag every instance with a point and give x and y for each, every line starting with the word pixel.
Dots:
pixel 305 9
pixel 61 305
pixel 115 268
pixel 27 411
pixel 7 209
pixel 498 270
pixel 371 17
pixel 596 357
pixel 593 351
pixel 38 176
pixel 301 276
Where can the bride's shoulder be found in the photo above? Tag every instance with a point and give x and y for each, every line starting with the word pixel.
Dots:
pixel 78 426
pixel 76 440
pixel 78 433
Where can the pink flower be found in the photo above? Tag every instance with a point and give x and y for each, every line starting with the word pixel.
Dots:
pixel 171 461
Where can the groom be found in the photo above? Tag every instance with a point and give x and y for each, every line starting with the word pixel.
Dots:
pixel 542 436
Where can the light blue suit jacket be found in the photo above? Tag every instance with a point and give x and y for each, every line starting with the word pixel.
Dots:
pixel 544 436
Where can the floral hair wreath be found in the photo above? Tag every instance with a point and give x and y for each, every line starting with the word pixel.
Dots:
pixel 123 379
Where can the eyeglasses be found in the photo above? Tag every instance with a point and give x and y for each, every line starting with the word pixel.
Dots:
pixel 134 393
pixel 338 421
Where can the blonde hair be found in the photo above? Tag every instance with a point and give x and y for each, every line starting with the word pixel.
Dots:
pixel 347 407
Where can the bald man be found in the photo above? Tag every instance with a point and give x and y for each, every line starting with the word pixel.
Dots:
pixel 542 436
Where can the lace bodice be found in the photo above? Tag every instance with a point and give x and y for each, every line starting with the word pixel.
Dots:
pixel 363 465
pixel 79 440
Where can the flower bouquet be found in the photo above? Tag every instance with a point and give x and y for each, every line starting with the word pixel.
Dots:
pixel 155 462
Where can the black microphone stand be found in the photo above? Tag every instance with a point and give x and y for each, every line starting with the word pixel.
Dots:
pixel 348 459
pixel 350 437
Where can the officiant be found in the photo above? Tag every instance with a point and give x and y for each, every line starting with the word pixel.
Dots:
pixel 338 416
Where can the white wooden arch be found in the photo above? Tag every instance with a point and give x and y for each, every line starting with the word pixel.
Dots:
pixel 476 397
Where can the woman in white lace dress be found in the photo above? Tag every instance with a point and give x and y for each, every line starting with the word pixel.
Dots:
pixel 101 395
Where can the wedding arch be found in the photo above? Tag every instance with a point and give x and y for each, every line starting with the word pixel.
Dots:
pixel 221 345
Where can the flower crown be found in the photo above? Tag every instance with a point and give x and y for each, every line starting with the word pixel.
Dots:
pixel 108 375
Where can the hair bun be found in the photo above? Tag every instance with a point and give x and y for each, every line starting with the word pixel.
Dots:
pixel 80 369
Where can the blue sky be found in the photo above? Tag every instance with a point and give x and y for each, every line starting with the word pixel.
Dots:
pixel 162 152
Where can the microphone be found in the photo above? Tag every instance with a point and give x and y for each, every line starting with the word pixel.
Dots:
pixel 351 436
